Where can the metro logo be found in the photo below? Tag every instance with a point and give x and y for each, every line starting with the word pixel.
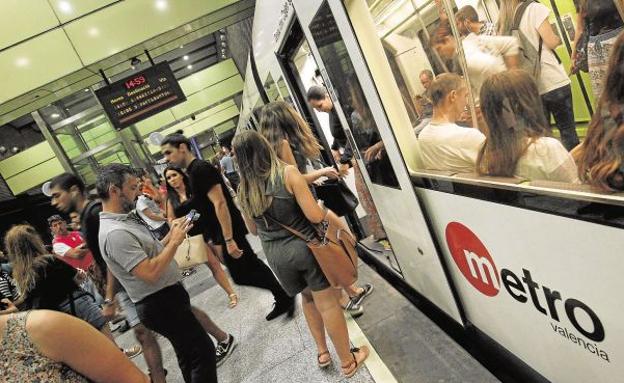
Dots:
pixel 476 264
pixel 473 259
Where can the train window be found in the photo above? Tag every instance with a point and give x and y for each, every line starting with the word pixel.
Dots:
pixel 271 89
pixel 522 69
pixel 348 92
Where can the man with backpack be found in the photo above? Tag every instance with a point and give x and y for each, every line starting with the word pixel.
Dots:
pixel 528 21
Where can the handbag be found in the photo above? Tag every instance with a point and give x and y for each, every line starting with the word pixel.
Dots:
pixel 337 196
pixel 191 252
pixel 581 59
pixel 333 248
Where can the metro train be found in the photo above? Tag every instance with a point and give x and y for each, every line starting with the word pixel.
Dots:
pixel 532 265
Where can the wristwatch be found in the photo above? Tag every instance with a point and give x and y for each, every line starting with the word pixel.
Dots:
pixel 108 301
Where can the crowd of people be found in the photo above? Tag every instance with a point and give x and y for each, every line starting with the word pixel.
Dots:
pixel 118 257
pixel 518 84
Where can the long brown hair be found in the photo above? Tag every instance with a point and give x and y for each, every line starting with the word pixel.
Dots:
pixel 280 121
pixel 28 255
pixel 506 15
pixel 514 118
pixel 258 165
pixel 601 155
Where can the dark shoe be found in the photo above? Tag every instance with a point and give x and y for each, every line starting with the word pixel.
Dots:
pixel 224 349
pixel 282 308
pixel 368 289
pixel 353 308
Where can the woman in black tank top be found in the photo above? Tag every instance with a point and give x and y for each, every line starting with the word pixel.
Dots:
pixel 179 203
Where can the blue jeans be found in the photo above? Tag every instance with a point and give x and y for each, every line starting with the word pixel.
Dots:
pixel 558 103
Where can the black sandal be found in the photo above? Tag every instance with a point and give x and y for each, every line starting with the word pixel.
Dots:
pixel 323 364
pixel 350 369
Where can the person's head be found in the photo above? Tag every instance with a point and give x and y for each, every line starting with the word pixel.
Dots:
pixel 67 190
pixel 467 20
pixel 279 121
pixel 601 156
pixel 258 164
pixel 225 149
pixel 426 77
pixel 176 180
pixel 118 184
pixel 443 42
pixel 177 149
pixel 26 251
pixel 449 95
pixel 512 110
pixel 319 99
pixel 74 219
pixel 57 224
pixel 506 15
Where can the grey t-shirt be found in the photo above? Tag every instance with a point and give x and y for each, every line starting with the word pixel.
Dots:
pixel 227 163
pixel 125 242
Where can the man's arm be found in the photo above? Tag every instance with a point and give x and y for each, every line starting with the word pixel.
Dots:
pixel 216 196
pixel 66 251
pixel 151 269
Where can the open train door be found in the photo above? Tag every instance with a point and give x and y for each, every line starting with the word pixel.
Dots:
pixel 346 75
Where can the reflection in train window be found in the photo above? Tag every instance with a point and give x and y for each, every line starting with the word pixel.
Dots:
pixel 271 90
pixel 350 96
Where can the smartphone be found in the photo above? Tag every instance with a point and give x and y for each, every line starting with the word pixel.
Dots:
pixel 192 216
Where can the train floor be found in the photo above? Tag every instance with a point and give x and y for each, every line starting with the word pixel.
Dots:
pixel 405 345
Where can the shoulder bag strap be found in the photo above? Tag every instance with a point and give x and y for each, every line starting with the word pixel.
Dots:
pixel 294 231
pixel 519 13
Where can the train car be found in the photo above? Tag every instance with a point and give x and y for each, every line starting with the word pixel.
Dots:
pixel 533 266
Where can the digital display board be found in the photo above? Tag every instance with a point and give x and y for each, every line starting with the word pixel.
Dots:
pixel 141 95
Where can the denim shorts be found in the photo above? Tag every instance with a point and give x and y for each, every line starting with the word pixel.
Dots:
pixel 83 306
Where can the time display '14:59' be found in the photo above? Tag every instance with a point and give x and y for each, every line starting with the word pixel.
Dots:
pixel 140 80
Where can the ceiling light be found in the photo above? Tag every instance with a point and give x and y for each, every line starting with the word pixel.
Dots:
pixel 185 57
pixel 161 5
pixel 93 32
pixel 86 90
pixel 65 6
pixel 189 67
pixel 181 46
pixel 22 62
pixel 55 115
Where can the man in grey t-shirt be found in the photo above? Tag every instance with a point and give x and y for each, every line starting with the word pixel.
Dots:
pixel 149 274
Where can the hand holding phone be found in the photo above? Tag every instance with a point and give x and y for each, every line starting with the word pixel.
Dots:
pixel 192 216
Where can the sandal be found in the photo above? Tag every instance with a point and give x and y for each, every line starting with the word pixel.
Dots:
pixel 351 368
pixel 325 363
pixel 233 300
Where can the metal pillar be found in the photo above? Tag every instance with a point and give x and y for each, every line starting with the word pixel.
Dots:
pixel 53 142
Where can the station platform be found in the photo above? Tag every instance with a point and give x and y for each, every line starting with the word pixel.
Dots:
pixel 406 346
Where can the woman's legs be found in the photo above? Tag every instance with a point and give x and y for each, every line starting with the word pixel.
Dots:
pixel 217 272
pixel 315 323
pixel 326 311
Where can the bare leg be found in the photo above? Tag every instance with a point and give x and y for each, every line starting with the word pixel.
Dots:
pixel 326 302
pixel 151 353
pixel 209 326
pixel 315 322
pixel 217 272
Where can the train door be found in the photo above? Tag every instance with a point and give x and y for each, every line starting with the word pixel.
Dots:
pixel 333 43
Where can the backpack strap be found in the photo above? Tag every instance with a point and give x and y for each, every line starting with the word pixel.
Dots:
pixel 519 13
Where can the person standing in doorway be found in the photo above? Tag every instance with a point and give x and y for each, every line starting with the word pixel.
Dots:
pixel 229 168
pixel 225 226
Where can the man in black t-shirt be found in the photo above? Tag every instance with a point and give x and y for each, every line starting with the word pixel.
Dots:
pixel 225 226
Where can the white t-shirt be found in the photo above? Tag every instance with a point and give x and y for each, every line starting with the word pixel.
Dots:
pixel 450 147
pixel 552 75
pixel 145 203
pixel 547 159
pixel 485 57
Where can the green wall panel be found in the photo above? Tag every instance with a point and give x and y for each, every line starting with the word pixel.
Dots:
pixel 208 77
pixel 209 96
pixel 128 23
pixel 22 19
pixel 67 10
pixel 35 176
pixel 28 158
pixel 35 63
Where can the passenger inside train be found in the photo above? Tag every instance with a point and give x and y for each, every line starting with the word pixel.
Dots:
pixel 312 191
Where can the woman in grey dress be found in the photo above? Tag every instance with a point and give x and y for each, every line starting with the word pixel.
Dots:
pixel 273 192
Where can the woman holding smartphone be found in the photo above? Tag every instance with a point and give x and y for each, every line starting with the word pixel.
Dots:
pixel 179 204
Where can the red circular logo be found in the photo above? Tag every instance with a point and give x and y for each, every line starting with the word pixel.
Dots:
pixel 472 258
